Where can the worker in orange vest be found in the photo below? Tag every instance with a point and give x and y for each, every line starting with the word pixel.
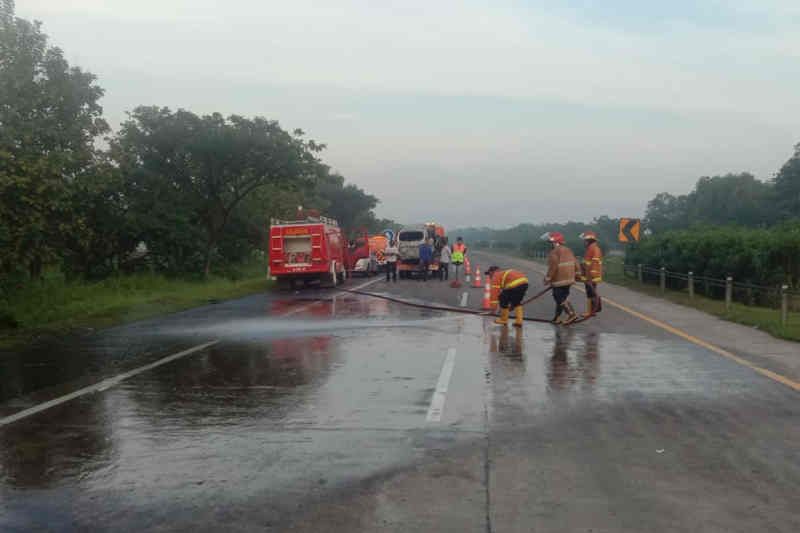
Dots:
pixel 592 273
pixel 562 268
pixel 508 289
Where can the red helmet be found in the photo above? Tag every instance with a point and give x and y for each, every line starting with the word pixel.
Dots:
pixel 588 236
pixel 556 237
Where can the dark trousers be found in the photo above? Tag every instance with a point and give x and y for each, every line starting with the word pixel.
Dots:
pixel 391 271
pixel 591 293
pixel 424 266
pixel 560 295
pixel 510 298
pixel 444 271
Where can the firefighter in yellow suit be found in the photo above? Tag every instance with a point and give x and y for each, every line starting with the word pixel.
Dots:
pixel 592 273
pixel 508 289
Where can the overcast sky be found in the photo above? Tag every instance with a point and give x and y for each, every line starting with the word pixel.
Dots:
pixel 471 113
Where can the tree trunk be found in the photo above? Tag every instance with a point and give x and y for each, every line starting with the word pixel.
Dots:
pixel 207 268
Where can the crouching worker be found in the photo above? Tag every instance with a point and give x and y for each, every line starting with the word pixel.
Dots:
pixel 562 268
pixel 509 288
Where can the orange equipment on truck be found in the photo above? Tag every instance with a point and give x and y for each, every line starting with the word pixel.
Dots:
pixel 360 255
pixel 310 248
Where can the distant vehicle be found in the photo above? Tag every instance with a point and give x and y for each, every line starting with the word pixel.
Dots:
pixel 365 254
pixel 308 249
pixel 360 255
pixel 409 239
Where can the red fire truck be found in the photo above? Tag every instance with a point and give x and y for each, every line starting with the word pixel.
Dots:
pixel 308 249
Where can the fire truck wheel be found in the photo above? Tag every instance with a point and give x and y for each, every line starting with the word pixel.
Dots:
pixel 332 276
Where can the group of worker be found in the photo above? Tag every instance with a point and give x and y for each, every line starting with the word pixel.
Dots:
pixel 447 256
pixel 508 287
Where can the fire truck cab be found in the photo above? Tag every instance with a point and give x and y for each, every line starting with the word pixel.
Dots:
pixel 305 250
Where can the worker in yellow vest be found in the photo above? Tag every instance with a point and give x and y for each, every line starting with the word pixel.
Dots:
pixel 508 290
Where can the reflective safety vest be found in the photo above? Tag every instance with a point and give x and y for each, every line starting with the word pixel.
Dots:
pixel 592 266
pixel 503 280
pixel 457 256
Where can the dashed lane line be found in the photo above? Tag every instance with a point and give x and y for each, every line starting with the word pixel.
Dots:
pixel 464 299
pixel 440 394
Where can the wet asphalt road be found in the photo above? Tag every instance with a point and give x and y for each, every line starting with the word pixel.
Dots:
pixel 327 411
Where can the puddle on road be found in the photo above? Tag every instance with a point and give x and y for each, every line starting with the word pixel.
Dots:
pixel 262 409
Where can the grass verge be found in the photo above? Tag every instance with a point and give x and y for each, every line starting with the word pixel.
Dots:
pixel 55 306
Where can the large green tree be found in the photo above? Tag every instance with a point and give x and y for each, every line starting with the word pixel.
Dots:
pixel 787 186
pixel 186 175
pixel 49 119
pixel 731 199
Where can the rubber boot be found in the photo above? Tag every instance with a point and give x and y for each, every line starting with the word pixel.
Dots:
pixel 572 316
pixel 589 308
pixel 557 317
pixel 503 319
pixel 518 314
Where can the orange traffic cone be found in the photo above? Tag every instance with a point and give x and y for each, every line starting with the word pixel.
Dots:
pixel 477 284
pixel 487 295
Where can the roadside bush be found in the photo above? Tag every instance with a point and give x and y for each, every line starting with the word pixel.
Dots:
pixel 754 255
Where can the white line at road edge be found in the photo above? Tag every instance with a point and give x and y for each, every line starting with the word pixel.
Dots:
pixel 116 380
pixel 440 395
pixel 102 385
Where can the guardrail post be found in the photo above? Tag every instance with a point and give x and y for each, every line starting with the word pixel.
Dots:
pixel 663 279
pixel 639 275
pixel 784 305
pixel 728 293
pixel 691 285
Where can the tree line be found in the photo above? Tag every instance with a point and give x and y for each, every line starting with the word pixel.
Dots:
pixel 727 225
pixel 195 191
pixel 732 225
pixel 526 238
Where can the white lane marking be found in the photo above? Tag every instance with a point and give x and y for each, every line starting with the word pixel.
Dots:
pixel 116 380
pixel 102 385
pixel 440 394
pixel 366 284
pixel 464 298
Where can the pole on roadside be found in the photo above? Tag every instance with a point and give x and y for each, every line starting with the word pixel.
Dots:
pixel 663 280
pixel 691 285
pixel 639 273
pixel 784 305
pixel 728 293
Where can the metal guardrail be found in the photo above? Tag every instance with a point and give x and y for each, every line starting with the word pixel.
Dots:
pixel 781 297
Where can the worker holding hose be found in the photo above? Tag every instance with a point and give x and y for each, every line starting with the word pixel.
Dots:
pixel 592 273
pixel 508 289
pixel 561 273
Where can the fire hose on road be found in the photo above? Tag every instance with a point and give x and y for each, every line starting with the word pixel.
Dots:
pixel 448 308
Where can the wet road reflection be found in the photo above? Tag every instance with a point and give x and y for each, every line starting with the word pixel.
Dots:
pixel 573 363
pixel 288 407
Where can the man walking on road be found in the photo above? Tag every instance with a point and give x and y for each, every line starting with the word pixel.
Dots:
pixel 508 289
pixel 425 258
pixel 458 253
pixel 444 261
pixel 592 273
pixel 561 272
pixel 390 253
